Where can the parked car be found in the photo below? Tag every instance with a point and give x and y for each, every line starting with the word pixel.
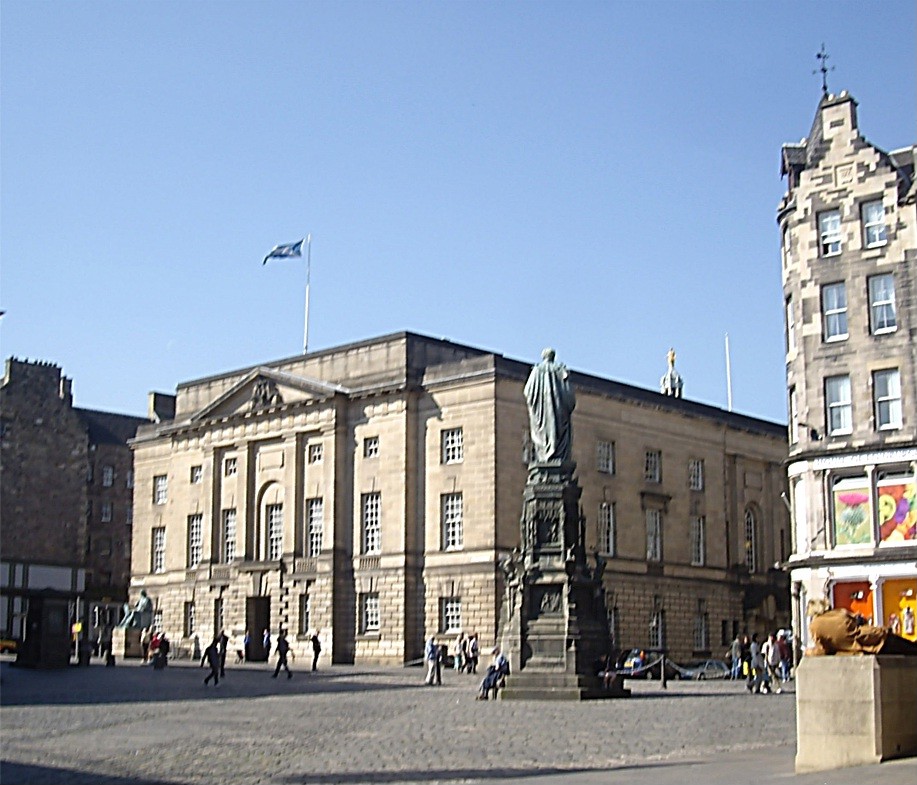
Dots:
pixel 8 645
pixel 705 669
pixel 646 663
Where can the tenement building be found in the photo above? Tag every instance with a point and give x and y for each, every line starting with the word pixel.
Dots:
pixel 849 253
pixel 368 492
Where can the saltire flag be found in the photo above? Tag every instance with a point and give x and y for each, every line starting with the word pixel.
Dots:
pixel 285 251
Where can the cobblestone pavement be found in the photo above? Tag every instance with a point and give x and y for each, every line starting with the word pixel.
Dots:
pixel 136 726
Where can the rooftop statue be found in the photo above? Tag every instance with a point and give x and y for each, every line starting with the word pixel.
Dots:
pixel 550 402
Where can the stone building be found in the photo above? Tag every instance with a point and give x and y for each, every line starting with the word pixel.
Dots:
pixel 66 495
pixel 849 252
pixel 368 492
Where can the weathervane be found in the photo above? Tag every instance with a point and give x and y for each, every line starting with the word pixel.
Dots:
pixel 822 57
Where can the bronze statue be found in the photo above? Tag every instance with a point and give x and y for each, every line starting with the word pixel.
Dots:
pixel 838 631
pixel 550 400
pixel 141 616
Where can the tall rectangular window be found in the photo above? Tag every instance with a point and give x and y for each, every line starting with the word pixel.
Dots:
pixel 794 416
pixel 653 535
pixel 657 627
pixel 701 627
pixel 751 540
pixel 614 625
pixel 874 232
pixel 370 613
pixel 834 311
pixel 315 517
pixel 698 540
pixel 305 611
pixel 829 232
pixel 106 512
pixel 230 466
pixel 108 476
pixel 887 390
pixel 195 539
pixel 839 405
pixel 450 614
pixel 605 457
pixel 129 479
pixel 229 534
pixel 696 474
pixel 652 466
pixel 190 619
pixel 371 522
pixel 160 489
pixel 608 536
pixel 451 508
pixel 883 317
pixel 371 447
pixel 158 550
pixel 219 615
pixel 452 445
pixel 274 513
pixel 790 326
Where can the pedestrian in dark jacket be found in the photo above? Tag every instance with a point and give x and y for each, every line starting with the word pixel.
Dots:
pixel 283 649
pixel 212 658
pixel 316 650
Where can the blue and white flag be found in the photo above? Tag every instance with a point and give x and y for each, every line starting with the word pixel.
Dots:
pixel 285 251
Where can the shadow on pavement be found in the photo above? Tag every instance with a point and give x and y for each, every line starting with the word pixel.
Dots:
pixel 29 774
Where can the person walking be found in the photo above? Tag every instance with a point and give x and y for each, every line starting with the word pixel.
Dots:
pixel 223 643
pixel 145 637
pixel 283 649
pixel 735 654
pixel 473 653
pixel 431 657
pixel 459 658
pixel 246 646
pixel 212 658
pixel 770 651
pixel 316 649
pixel 266 643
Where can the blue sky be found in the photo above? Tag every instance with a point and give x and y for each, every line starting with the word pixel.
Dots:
pixel 600 177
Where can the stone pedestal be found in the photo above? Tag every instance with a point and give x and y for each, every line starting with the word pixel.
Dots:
pixel 853 711
pixel 553 624
pixel 126 643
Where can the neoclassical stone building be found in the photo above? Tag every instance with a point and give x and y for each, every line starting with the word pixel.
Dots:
pixel 849 228
pixel 368 491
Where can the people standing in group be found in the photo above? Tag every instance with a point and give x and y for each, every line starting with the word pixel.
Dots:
pixel 211 658
pixel 757 675
pixel 473 653
pixel 431 655
pixel 458 661
pixel 283 649
pixel 145 637
pixel 316 649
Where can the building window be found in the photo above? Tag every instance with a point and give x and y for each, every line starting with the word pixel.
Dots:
pixel 452 521
pixel 195 539
pixel 305 610
pixel 274 513
pixel 696 474
pixel 371 522
pixel 614 625
pixel 882 313
pixel 230 466
pixel 834 311
pixel 450 614
pixel 190 620
pixel 657 627
pixel 608 536
pixel 108 476
pixel 605 457
pixel 316 452
pixel 751 540
pixel 829 232
pixel 159 550
pixel 370 613
pixel 229 534
pixel 698 540
pixel 197 475
pixel 371 447
pixel 874 233
pixel 839 405
pixel 106 512
pixel 129 515
pixel 701 627
pixel 452 445
pixel 790 326
pixel 652 466
pixel 315 517
pixel 653 535
pixel 219 615
pixel 160 489
pixel 887 390
pixel 129 479
pixel 157 622
pixel 103 546
pixel 794 416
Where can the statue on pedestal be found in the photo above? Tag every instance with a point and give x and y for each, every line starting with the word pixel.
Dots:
pixel 141 616
pixel 550 400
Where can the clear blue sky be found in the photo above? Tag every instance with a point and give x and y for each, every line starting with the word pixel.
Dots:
pixel 601 177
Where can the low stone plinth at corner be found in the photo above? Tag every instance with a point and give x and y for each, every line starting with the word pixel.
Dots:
pixel 558 687
pixel 853 711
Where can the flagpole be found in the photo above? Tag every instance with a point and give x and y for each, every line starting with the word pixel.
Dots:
pixel 305 338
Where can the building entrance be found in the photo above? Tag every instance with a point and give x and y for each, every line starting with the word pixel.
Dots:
pixel 257 620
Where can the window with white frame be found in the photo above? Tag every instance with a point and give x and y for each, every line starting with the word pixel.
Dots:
pixel 605 457
pixel 230 466
pixel 834 311
pixel 450 614
pixel 787 249
pixel 195 539
pixel 657 627
pixel 794 416
pixel 698 540
pixel 108 476
pixel 451 509
pixel 696 474
pixel 371 447
pixel 653 535
pixel 197 475
pixel 158 550
pixel 274 515
pixel 315 520
pixel 160 489
pixel 452 445
pixel 887 391
pixel 883 317
pixel 305 610
pixel 608 536
pixel 701 627
pixel 229 534
pixel 614 624
pixel 751 540
pixel 790 326
pixel 652 466
pixel 157 622
pixel 829 232
pixel 371 522
pixel 370 613
pixel 106 512
pixel 838 405
pixel 874 232
pixel 129 479
pixel 316 452
pixel 190 619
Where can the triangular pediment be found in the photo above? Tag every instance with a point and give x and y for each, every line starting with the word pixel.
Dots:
pixel 262 389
